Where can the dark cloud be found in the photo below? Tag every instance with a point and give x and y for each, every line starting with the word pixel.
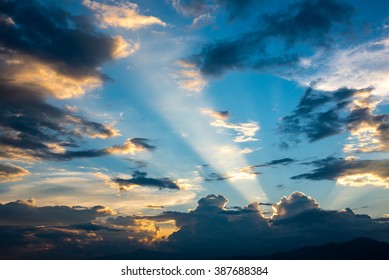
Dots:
pixel 308 23
pixel 265 204
pixel 25 213
pixel 282 161
pixel 251 170
pixel 155 206
pixel 44 51
pixel 33 129
pixel 290 206
pixel 10 172
pixel 144 143
pixel 211 177
pixel 140 179
pixel 65 242
pixel 358 171
pixel 322 114
pixel 66 42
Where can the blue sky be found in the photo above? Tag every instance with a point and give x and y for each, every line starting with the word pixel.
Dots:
pixel 145 107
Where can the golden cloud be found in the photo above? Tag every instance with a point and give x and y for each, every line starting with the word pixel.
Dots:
pixel 11 173
pixel 123 15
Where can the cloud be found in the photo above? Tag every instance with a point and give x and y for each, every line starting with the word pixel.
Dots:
pixel 59 55
pixel 62 49
pixel 192 7
pixel 123 15
pixel 244 173
pixel 221 115
pixel 11 173
pixel 123 48
pixel 308 23
pixel 131 146
pixel 350 171
pixel 251 172
pixel 364 65
pixel 140 179
pixel 322 114
pixel 33 129
pixel 24 71
pixel 282 161
pixel 246 131
pixel 216 177
pixel 199 8
pixel 81 241
pixel 295 204
pixel 189 78
pixel 297 221
pixel 202 20
pixel 25 213
pixel 212 227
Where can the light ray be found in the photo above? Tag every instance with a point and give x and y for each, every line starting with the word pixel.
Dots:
pixel 182 112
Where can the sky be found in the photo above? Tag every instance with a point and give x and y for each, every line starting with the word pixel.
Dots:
pixel 151 124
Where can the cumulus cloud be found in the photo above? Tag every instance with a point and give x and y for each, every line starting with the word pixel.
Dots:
pixel 222 232
pixel 11 173
pixel 297 221
pixel 123 15
pixel 290 206
pixel 25 213
pixel 308 23
pixel 350 171
pixel 82 241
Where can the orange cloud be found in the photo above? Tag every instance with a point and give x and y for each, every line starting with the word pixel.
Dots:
pixel 123 15
pixel 11 173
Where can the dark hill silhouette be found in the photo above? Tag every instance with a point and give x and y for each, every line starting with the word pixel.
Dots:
pixel 357 249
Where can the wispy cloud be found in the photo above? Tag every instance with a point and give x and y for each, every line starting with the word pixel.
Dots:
pixel 361 66
pixel 245 131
